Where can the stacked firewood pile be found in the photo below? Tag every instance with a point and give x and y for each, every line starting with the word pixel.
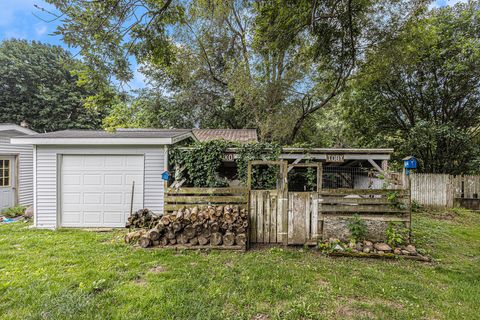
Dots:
pixel 143 218
pixel 216 226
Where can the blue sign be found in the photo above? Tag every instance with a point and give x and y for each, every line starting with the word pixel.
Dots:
pixel 166 175
pixel 410 163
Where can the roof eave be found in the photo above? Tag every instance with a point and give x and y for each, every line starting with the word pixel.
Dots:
pixel 92 141
pixel 14 127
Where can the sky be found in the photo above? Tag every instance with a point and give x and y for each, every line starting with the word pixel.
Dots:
pixel 22 20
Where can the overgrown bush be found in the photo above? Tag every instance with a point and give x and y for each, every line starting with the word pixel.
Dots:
pixel 202 162
pixel 263 177
pixel 14 211
pixel 396 234
pixel 357 228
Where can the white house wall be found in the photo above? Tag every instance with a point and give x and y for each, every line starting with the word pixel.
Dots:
pixel 25 174
pixel 47 172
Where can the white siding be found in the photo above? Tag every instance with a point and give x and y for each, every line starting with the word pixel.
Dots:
pixel 47 171
pixel 25 174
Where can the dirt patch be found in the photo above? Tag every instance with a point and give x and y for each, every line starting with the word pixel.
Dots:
pixel 260 316
pixel 322 283
pixel 140 282
pixel 157 269
pixel 348 312
pixel 352 307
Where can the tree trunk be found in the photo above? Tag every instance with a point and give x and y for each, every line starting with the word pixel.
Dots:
pixel 229 239
pixel 241 239
pixel 216 239
pixel 202 240
pixel 194 241
pixel 182 238
pixel 144 242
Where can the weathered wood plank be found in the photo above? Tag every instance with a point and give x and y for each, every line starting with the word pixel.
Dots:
pixel 172 207
pixel 326 192
pixel 314 216
pixel 229 190
pixel 376 217
pixel 267 217
pixel 297 228
pixel 260 215
pixel 253 216
pixel 362 208
pixel 273 222
pixel 206 199
pixel 362 201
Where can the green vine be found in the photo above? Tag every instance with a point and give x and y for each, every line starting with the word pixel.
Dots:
pixel 394 200
pixel 262 177
pixel 201 163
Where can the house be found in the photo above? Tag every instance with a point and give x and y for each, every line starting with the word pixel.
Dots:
pixel 89 178
pixel 16 167
pixel 85 178
pixel 233 135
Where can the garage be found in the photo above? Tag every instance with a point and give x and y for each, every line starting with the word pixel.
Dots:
pixel 84 178
pixel 97 189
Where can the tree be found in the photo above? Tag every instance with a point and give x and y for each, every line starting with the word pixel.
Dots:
pixel 39 85
pixel 420 91
pixel 267 64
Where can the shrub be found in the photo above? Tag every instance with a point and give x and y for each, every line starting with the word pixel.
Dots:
pixel 396 234
pixel 357 228
pixel 14 211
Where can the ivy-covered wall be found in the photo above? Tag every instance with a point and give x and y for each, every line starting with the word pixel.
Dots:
pixel 202 163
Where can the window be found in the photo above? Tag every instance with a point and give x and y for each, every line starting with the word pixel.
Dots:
pixel 4 173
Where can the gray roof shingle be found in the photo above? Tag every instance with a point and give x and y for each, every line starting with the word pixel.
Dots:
pixel 234 135
pixel 120 133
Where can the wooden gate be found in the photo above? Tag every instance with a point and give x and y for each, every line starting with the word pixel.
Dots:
pixel 279 216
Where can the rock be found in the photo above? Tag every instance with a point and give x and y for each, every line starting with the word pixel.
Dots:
pixel 29 212
pixel 333 240
pixel 338 248
pixel 380 252
pixel 367 249
pixel 382 247
pixel 411 249
pixel 368 243
pixel 359 246
pixel 405 252
pixel 397 251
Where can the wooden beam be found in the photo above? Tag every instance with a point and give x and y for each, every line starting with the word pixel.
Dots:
pixel 290 167
pixel 376 166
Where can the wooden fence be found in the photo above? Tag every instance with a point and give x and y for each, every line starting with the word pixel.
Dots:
pixel 299 217
pixel 442 190
pixel 176 199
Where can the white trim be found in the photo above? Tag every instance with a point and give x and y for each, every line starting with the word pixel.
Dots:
pixel 99 141
pixel 165 164
pixel 14 127
pixel 183 137
pixel 35 186
pixel 91 141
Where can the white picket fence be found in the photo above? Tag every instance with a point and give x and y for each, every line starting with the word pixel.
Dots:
pixel 440 190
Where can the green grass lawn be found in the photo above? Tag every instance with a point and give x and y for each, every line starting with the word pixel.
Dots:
pixel 74 274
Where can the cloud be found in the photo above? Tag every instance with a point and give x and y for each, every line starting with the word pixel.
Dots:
pixel 40 29
pixel 139 80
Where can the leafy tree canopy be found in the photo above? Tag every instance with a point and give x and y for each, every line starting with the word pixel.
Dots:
pixel 420 91
pixel 44 86
pixel 265 64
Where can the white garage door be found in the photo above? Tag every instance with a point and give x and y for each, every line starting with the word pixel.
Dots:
pixel 96 190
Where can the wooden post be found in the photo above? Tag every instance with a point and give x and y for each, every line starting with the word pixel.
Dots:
pixel 131 200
